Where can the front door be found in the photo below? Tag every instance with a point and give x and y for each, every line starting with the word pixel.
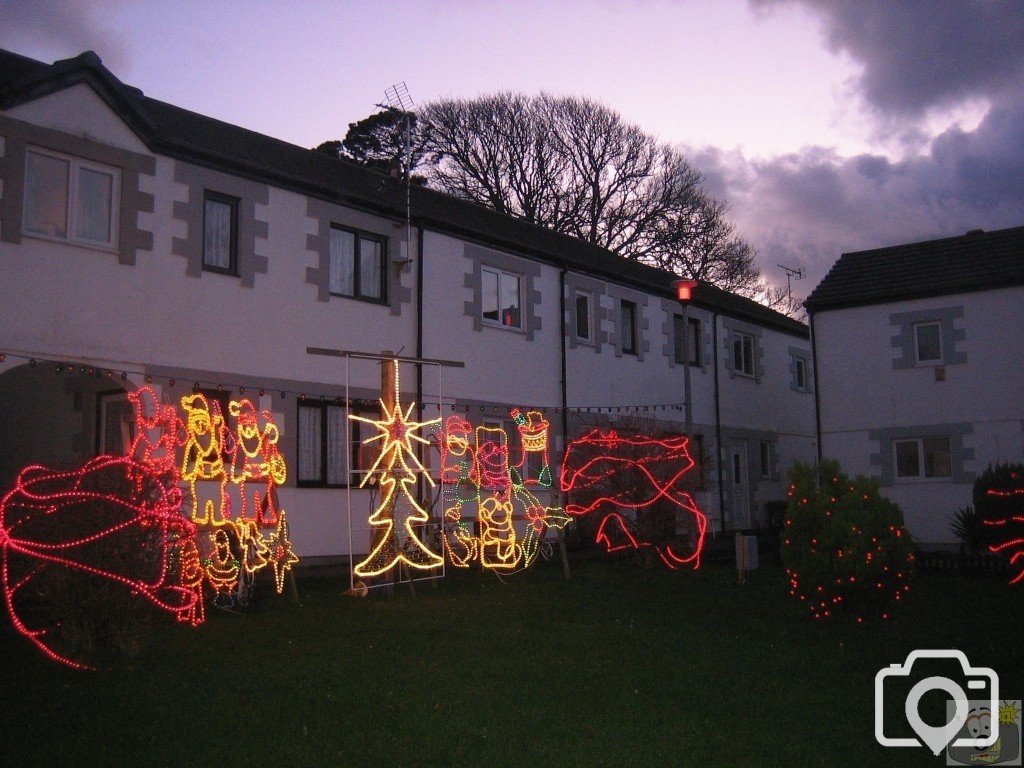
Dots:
pixel 740 487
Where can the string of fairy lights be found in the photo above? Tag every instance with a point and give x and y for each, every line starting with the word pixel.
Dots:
pixel 62 367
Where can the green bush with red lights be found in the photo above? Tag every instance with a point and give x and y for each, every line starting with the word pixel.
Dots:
pixel 844 545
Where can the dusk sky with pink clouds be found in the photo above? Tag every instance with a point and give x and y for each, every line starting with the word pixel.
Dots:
pixel 829 125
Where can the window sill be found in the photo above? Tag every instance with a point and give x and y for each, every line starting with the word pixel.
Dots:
pixel 316 484
pixel 87 244
pixel 498 326
pixel 220 271
pixel 363 299
pixel 922 480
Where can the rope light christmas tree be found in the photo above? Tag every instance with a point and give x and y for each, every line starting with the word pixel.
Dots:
pixel 395 539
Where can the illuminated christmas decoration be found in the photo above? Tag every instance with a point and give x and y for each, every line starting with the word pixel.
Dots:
pixel 479 472
pixel 158 432
pixel 221 566
pixel 256 458
pixel 191 578
pixel 255 552
pixel 624 477
pixel 1006 507
pixel 67 523
pixel 397 469
pixel 533 441
pixel 203 459
pixel 280 553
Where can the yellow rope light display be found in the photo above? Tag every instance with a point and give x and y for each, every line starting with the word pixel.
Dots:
pixel 398 470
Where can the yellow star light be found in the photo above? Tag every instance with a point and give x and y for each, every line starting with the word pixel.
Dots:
pixel 280 554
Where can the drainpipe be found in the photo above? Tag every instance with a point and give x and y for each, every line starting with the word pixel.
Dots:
pixel 565 390
pixel 718 423
pixel 817 386
pixel 419 318
pixel 565 416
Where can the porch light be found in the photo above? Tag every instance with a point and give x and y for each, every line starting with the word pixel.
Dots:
pixel 684 289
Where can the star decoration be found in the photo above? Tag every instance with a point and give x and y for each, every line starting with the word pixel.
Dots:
pixel 280 553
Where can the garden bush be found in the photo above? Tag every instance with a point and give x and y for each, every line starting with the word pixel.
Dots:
pixel 844 546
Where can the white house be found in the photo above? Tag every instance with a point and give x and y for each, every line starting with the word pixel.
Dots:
pixel 141 243
pixel 918 353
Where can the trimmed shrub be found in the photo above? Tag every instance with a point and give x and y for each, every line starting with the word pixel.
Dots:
pixel 844 546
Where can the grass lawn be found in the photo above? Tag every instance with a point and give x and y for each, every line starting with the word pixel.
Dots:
pixel 619 666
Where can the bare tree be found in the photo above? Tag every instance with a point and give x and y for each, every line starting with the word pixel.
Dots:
pixel 573 165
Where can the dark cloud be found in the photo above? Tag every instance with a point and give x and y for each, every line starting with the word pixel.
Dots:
pixel 919 54
pixel 59 29
pixel 806 208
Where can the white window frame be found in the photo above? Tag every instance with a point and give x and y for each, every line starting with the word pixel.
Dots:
pixel 917 346
pixel 75 166
pixel 500 273
pixel 920 477
pixel 741 370
pixel 589 338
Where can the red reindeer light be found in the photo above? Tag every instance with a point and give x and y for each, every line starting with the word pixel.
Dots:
pixel 619 476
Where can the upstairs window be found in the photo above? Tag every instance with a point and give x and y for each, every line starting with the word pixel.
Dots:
pixel 925 457
pixel 765 457
pixel 743 354
pixel 70 199
pixel 627 327
pixel 686 338
pixel 220 233
pixel 928 343
pixel 357 265
pixel 801 374
pixel 500 296
pixel 584 325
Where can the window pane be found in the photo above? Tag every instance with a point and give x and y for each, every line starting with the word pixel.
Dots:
pixel 766 452
pixel 800 374
pixel 748 355
pixel 217 234
pixel 937 461
pixel 628 312
pixel 737 354
pixel 582 316
pixel 489 294
pixel 679 338
pixel 694 340
pixel 908 463
pixel 95 200
pixel 336 434
pixel 371 266
pixel 310 457
pixel 46 195
pixel 510 300
pixel 343 262
pixel 929 344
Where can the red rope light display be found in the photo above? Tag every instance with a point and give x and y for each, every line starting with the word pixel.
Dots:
pixel 1012 526
pixel 66 520
pixel 621 475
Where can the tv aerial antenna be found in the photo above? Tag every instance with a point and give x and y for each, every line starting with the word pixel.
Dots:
pixel 798 272
pixel 398 97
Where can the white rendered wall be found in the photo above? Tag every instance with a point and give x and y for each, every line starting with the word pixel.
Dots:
pixel 861 391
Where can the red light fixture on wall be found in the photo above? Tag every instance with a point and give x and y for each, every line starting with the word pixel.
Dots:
pixel 684 289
